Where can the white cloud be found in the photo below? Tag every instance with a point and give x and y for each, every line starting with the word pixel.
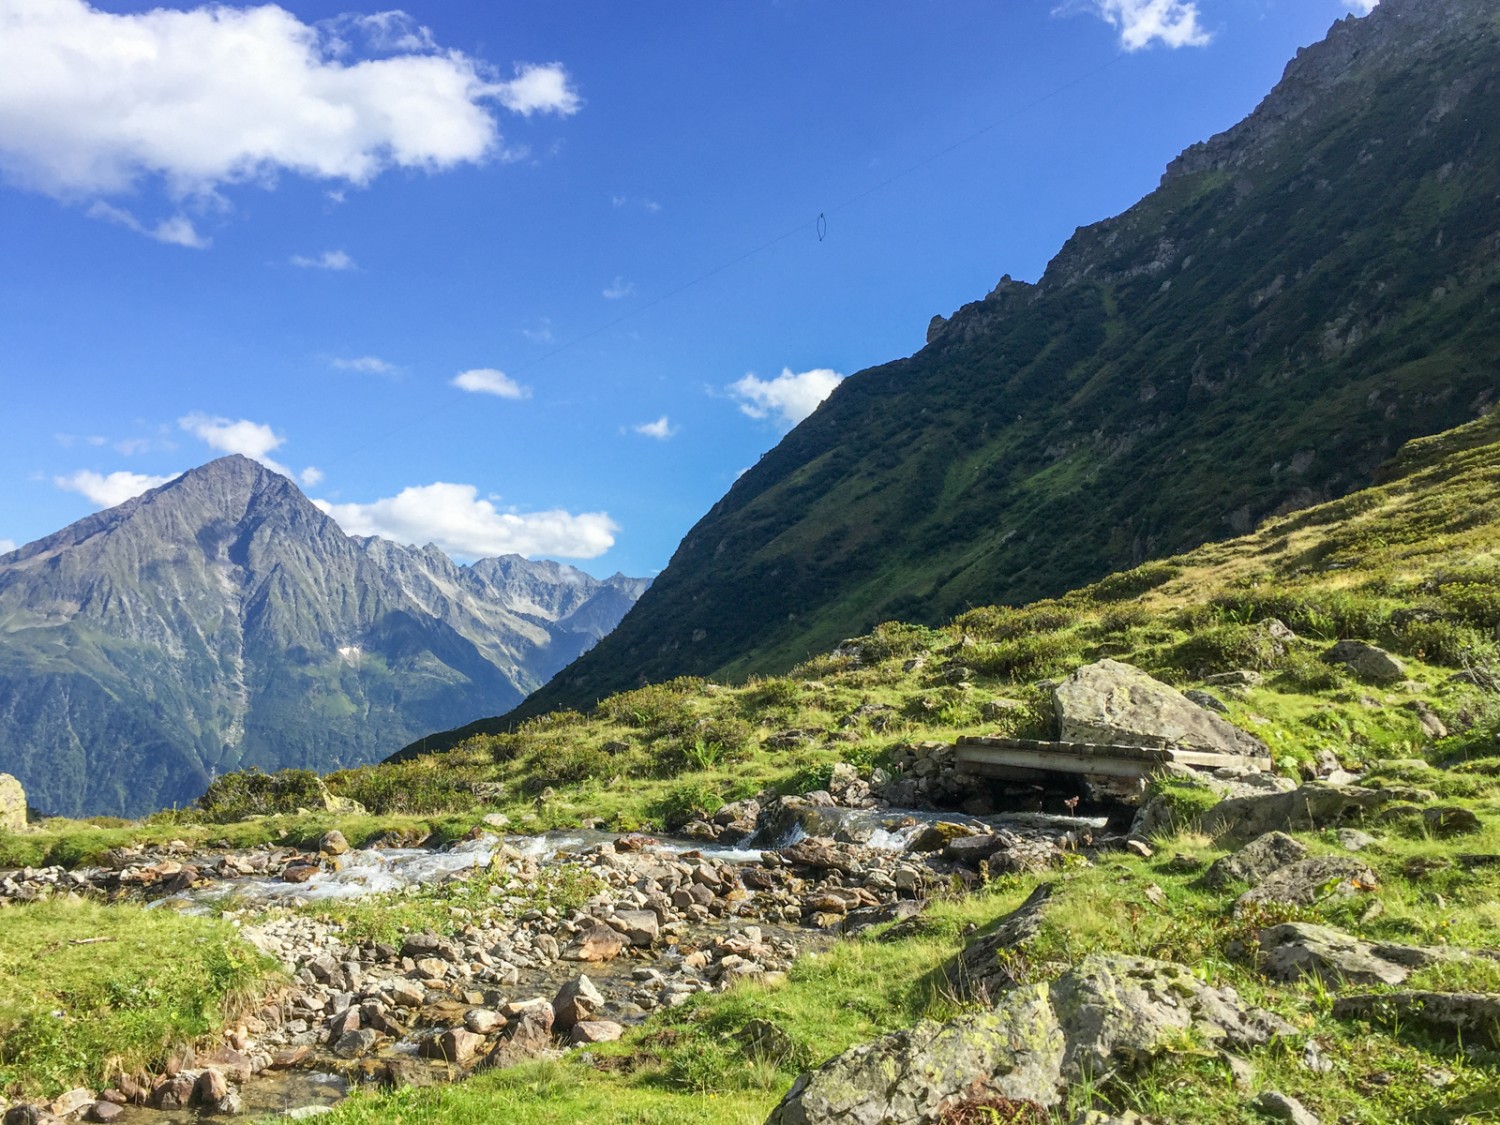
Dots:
pixel 131 446
pixel 7 546
pixel 661 429
pixel 618 288
pixel 364 364
pixel 1363 7
pixel 488 381
pixel 541 334
pixel 1174 23
pixel 636 201
pixel 176 231
pixel 115 488
pixel 93 102
pixel 327 260
pixel 251 439
pixel 538 89
pixel 789 397
pixel 384 32
pixel 458 520
pixel 311 476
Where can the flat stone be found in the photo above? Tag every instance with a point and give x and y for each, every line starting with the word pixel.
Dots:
pixel 1307 808
pixel 1297 949
pixel 597 943
pixel 1367 661
pixel 72 1101
pixel 595 1031
pixel 356 1043
pixel 105 1112
pixel 1470 1017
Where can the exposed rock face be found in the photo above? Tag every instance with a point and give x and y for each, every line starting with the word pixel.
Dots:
pixel 1111 702
pixel 977 972
pixel 1106 1015
pixel 222 621
pixel 12 804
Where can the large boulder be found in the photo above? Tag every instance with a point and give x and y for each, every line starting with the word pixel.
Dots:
pixel 1113 703
pixel 12 804
pixel 1107 1014
pixel 1367 661
pixel 1305 809
pixel 982 970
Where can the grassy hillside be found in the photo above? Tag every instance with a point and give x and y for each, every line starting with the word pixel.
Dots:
pixel 1297 299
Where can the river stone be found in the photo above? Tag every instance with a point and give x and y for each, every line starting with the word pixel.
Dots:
pixel 1470 1017
pixel 72 1101
pixel 936 837
pixel 105 1112
pixel 1304 809
pixel 640 927
pixel 12 809
pixel 596 943
pixel 1254 861
pixel 1116 704
pixel 1309 881
pixel 1366 661
pixel 457 1045
pixel 27 1114
pixel 978 972
pixel 333 843
pixel 1296 949
pixel 1108 1013
pixel 577 1000
pixel 352 1044
pixel 595 1031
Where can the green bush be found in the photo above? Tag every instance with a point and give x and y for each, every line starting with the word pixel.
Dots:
pixel 1026 658
pixel 235 796
pixel 1003 623
pixel 692 800
pixel 1133 583
pixel 1226 647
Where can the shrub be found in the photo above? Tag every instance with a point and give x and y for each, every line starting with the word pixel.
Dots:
pixel 1026 658
pixel 1223 648
pixel 709 743
pixel 658 710
pixel 1002 623
pixel 1133 583
pixel 691 800
pixel 235 796
pixel 893 639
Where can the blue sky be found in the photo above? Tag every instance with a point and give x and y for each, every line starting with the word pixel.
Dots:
pixel 541 277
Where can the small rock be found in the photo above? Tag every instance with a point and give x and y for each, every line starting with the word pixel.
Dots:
pixel 356 1043
pixel 1255 860
pixel 1366 661
pixel 595 1031
pixel 333 843
pixel 575 1001
pixel 1450 820
pixel 210 1087
pixel 483 1021
pixel 1352 839
pixel 72 1101
pixel 105 1112
pixel 1278 1107
pixel 597 943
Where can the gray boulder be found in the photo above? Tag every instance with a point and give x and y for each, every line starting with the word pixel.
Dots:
pixel 1470 1017
pixel 1309 881
pixel 12 804
pixel 1254 861
pixel 1298 949
pixel 1114 703
pixel 1107 1014
pixel 1305 809
pixel 1281 1107
pixel 1366 661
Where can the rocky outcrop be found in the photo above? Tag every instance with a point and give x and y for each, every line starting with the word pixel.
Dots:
pixel 1307 808
pixel 1107 1015
pixel 1309 881
pixel 1302 949
pixel 12 804
pixel 983 969
pixel 1113 703
pixel 1470 1017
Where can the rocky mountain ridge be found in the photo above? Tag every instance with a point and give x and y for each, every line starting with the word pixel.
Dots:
pixel 223 622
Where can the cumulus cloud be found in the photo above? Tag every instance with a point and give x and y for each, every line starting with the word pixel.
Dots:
pixel 311 476
pixel 254 440
pixel 458 520
pixel 789 398
pixel 1173 23
pixel 7 546
pixel 105 491
pixel 538 89
pixel 364 364
pixel 1363 7
pixel 661 429
pixel 327 260
pixel 176 231
pixel 488 381
pixel 95 102
pixel 618 288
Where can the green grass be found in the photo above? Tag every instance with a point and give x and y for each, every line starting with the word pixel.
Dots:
pixel 87 991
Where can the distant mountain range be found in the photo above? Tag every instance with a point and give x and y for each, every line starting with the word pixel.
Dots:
pixel 1302 294
pixel 222 622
